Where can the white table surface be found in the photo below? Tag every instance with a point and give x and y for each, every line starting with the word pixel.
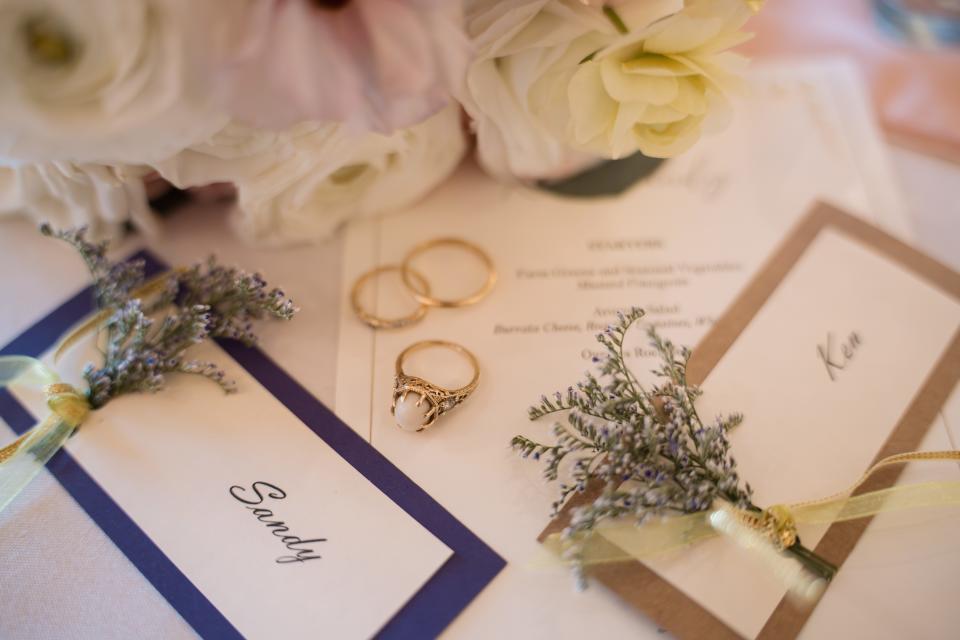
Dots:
pixel 60 576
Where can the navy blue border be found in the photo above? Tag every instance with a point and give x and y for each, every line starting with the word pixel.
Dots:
pixel 471 567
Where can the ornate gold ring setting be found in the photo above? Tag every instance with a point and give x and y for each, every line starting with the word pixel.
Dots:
pixel 417 403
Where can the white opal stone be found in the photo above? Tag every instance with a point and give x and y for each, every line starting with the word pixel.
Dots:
pixel 409 416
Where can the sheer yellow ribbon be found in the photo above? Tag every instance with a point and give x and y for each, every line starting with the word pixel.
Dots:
pixel 152 286
pixel 22 459
pixel 620 541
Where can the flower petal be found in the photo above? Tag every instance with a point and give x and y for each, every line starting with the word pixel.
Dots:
pixel 621 138
pixel 682 33
pixel 653 114
pixel 665 141
pixel 631 87
pixel 654 64
pixel 591 110
pixel 690 97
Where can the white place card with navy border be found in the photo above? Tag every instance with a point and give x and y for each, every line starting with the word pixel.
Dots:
pixel 259 514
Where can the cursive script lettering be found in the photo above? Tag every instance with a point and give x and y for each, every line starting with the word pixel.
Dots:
pixel 254 497
pixel 836 359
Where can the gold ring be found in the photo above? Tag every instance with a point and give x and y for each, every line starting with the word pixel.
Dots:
pixel 432 401
pixel 422 294
pixel 386 323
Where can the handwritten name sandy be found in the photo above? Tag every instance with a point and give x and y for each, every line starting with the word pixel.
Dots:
pixel 264 492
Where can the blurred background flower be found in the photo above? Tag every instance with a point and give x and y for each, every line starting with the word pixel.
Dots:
pixel 517 43
pixel 652 89
pixel 105 198
pixel 300 184
pixel 555 82
pixel 106 81
pixel 373 64
pixel 335 175
pixel 313 111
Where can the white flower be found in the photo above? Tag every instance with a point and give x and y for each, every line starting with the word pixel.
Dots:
pixel 518 43
pixel 69 195
pixel 236 153
pixel 553 78
pixel 652 89
pixel 106 80
pixel 300 184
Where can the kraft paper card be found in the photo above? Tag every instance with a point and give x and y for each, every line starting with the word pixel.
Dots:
pixel 841 351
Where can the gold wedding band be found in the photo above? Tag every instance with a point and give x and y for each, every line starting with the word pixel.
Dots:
pixel 386 323
pixel 432 401
pixel 422 294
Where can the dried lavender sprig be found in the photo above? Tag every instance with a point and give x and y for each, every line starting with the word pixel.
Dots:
pixel 145 340
pixel 112 282
pixel 140 351
pixel 649 449
pixel 616 431
pixel 235 299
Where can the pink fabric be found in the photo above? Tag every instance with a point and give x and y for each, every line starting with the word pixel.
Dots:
pixel 916 92
pixel 375 64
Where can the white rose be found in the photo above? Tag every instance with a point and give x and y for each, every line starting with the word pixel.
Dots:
pixel 652 89
pixel 64 194
pixel 300 184
pixel 523 43
pixel 105 80
pixel 236 153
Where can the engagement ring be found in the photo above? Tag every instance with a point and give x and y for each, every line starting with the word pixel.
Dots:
pixel 417 403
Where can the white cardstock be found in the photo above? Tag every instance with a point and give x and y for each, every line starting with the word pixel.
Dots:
pixel 202 473
pixel 681 245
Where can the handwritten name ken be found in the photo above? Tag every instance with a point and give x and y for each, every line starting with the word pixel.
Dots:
pixel 837 358
pixel 256 495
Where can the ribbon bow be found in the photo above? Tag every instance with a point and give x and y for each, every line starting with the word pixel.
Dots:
pixel 776 524
pixel 765 532
pixel 22 459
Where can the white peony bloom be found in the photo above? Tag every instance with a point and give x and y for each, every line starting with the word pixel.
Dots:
pixel 107 81
pixel 300 184
pixel 557 81
pixel 516 44
pixel 69 195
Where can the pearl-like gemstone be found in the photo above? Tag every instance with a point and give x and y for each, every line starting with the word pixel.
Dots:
pixel 409 416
